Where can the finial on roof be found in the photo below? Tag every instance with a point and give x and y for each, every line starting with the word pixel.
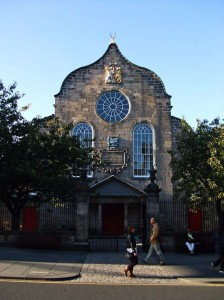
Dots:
pixel 112 41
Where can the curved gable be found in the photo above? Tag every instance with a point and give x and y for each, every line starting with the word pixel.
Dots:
pixel 113 55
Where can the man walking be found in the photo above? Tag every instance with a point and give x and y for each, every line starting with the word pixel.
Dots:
pixel 154 243
pixel 219 248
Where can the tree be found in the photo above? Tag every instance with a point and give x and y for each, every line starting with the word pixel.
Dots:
pixel 35 156
pixel 198 165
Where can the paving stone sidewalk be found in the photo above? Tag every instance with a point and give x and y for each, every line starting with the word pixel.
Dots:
pixel 108 268
pixel 34 264
pixel 105 267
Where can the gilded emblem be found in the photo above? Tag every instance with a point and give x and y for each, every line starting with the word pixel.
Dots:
pixel 112 142
pixel 113 74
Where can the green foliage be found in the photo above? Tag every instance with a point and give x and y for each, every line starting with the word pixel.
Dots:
pixel 198 163
pixel 39 155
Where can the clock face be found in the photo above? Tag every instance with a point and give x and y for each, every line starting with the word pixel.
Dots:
pixel 112 107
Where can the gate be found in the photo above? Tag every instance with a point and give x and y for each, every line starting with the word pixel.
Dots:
pixel 106 227
pixel 108 223
pixel 107 243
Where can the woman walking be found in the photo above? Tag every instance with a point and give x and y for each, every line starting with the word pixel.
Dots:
pixel 132 250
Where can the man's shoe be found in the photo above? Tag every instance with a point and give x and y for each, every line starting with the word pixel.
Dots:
pixel 221 271
pixel 162 264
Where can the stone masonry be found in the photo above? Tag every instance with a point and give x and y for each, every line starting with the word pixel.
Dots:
pixel 76 102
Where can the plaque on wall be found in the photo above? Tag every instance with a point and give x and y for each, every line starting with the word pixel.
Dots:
pixel 113 161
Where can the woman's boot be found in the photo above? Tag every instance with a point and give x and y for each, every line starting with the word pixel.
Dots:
pixel 131 274
pixel 126 272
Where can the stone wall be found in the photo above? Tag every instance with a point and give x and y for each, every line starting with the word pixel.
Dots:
pixel 176 127
pixel 76 102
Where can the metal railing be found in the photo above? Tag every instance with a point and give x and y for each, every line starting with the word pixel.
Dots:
pixel 177 216
pixel 54 216
pixel 59 216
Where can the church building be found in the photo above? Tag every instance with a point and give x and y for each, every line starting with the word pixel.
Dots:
pixel 125 111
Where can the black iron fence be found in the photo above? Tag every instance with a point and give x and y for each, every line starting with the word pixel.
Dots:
pixel 41 217
pixel 59 216
pixel 177 216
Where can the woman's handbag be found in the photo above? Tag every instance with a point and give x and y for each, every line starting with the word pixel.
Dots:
pixel 128 255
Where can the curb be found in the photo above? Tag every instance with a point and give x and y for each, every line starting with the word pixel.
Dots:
pixel 50 278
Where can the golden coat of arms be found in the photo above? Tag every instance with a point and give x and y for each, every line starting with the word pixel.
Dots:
pixel 112 74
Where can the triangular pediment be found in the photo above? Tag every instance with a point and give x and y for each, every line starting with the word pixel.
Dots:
pixel 114 186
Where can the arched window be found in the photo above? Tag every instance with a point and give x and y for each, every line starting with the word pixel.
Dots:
pixel 142 150
pixel 85 134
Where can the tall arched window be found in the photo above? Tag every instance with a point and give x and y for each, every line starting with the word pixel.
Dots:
pixel 85 134
pixel 142 150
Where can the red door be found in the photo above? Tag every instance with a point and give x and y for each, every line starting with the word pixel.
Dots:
pixel 113 219
pixel 195 220
pixel 30 219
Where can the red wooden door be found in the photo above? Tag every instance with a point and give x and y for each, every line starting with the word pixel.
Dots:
pixel 30 219
pixel 195 220
pixel 113 219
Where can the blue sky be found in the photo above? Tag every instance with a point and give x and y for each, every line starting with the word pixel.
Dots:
pixel 182 41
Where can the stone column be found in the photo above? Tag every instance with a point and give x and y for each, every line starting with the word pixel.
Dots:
pixel 152 198
pixel 125 217
pixel 82 216
pixel 99 218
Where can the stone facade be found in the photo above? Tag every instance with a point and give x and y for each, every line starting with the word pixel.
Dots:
pixel 176 127
pixel 149 103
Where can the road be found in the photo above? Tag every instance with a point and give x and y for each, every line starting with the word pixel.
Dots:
pixel 20 290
